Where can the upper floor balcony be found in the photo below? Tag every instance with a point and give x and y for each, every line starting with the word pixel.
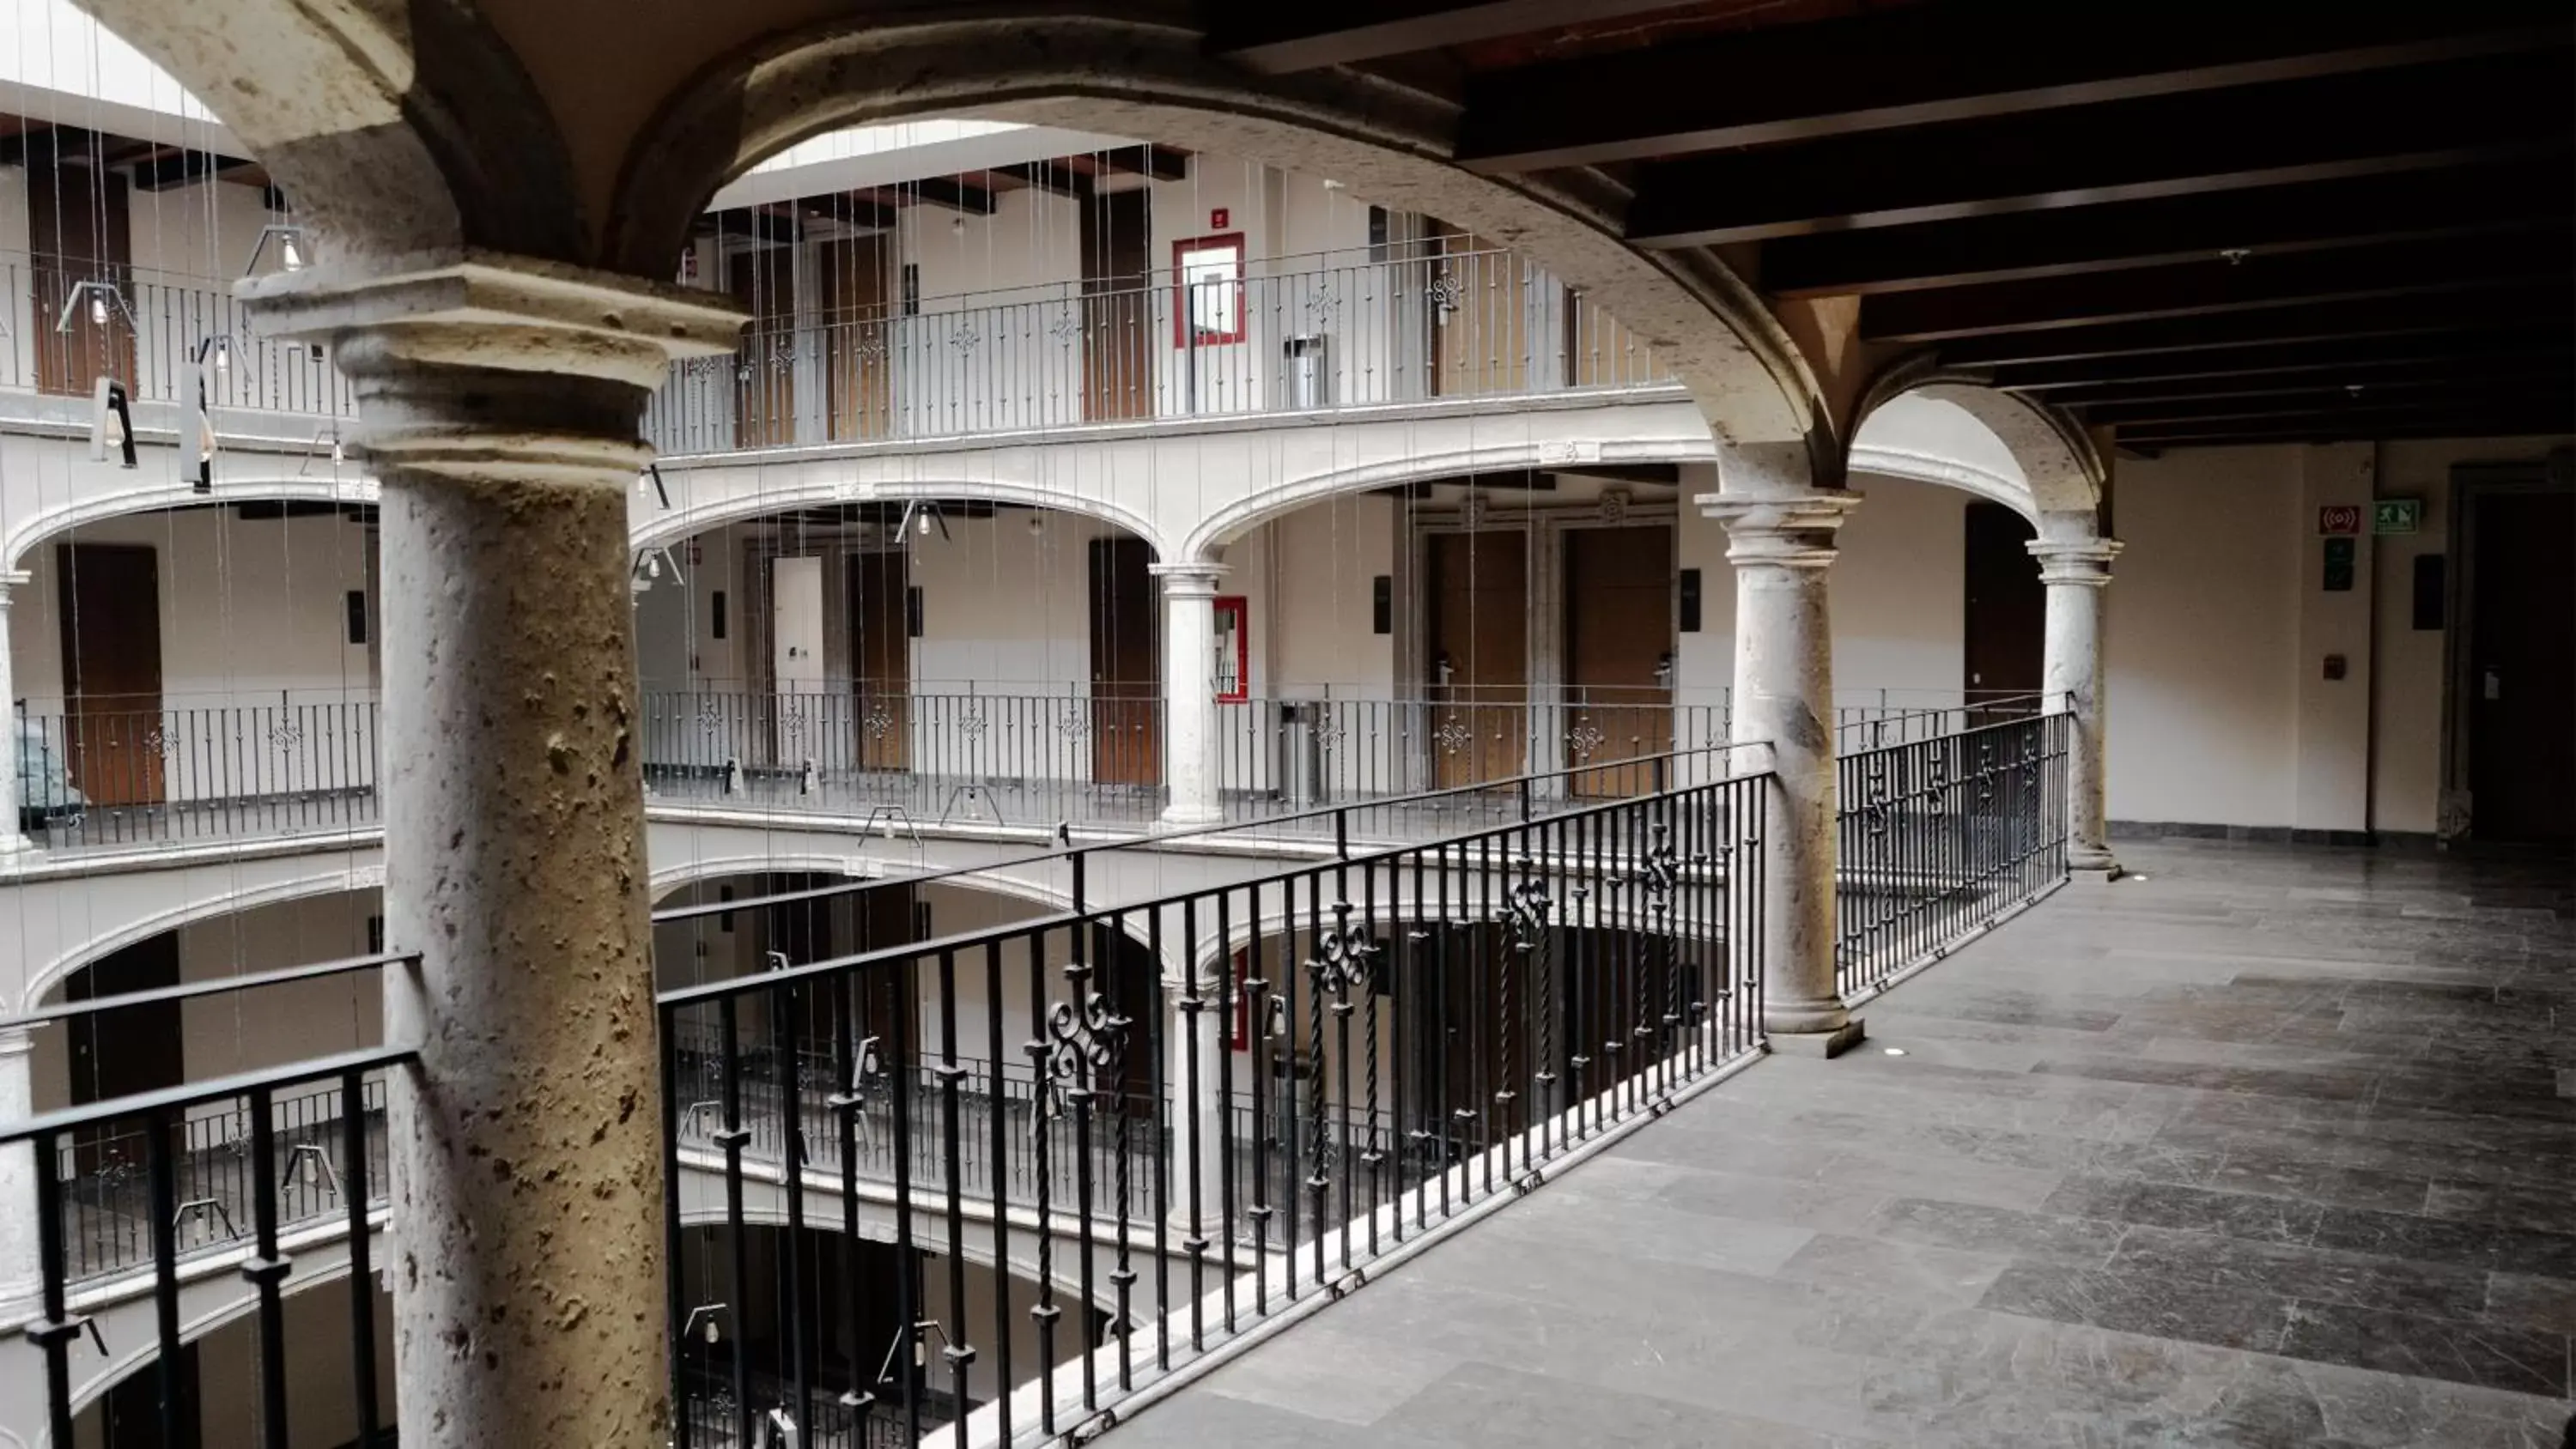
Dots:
pixel 1220 335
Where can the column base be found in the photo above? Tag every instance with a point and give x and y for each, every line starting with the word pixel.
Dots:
pixel 1822 1044
pixel 1193 815
pixel 2096 867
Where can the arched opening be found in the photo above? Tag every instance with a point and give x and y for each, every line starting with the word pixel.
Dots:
pixel 928 658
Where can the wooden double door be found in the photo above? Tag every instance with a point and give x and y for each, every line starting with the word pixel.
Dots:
pixel 117 741
pixel 1126 664
pixel 1613 708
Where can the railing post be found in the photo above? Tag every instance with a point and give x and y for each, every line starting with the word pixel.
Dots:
pixel 1781 533
pixel 2075 566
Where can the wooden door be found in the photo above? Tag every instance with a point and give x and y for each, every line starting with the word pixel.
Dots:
pixel 79 230
pixel 1117 306
pixel 1618 655
pixel 1479 658
pixel 2006 618
pixel 1480 333
pixel 110 597
pixel 881 656
pixel 1126 664
pixel 126 1051
pixel 763 281
pixel 857 338
pixel 2522 668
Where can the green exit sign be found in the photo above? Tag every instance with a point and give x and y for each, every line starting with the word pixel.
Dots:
pixel 2397 515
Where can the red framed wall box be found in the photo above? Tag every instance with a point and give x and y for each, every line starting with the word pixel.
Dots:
pixel 1207 290
pixel 1233 634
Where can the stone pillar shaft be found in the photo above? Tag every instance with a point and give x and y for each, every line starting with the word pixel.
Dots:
pixel 20 1277
pixel 1197 1136
pixel 12 838
pixel 497 402
pixel 1781 540
pixel 2075 572
pixel 1189 693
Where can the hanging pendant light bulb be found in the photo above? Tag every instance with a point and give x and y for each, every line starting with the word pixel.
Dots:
pixel 289 253
pixel 339 452
pixel 925 523
pixel 653 565
pixel 223 354
pixel 97 307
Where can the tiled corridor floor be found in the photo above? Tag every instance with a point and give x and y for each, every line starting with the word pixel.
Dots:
pixel 2272 1147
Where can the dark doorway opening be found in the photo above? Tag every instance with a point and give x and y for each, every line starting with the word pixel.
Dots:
pixel 2006 622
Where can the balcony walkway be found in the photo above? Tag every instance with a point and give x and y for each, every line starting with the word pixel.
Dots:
pixel 2273 1146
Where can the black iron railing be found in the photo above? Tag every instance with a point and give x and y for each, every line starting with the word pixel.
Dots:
pixel 104 775
pixel 1940 837
pixel 1353 1052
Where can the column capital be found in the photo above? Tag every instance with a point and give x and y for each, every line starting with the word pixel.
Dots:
pixel 1188 580
pixel 10 579
pixel 2080 562
pixel 1790 528
pixel 16 1040
pixel 484 366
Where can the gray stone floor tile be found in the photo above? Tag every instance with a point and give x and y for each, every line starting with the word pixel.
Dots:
pixel 2275 1148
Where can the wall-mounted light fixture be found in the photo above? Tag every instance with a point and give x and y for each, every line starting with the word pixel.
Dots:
pixel 708 1312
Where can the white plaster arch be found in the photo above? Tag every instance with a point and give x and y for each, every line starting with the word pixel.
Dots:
pixel 662 529
pixel 1140 75
pixel 1959 433
pixel 37 528
pixel 96 948
pixel 1235 519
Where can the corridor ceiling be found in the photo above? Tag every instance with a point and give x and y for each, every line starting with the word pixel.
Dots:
pixel 2188 223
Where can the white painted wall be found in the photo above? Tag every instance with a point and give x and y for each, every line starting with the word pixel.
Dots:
pixel 1899 592
pixel 229 1032
pixel 2203 616
pixel 252 610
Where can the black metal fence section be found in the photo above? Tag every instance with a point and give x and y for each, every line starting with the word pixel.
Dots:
pixel 1293 754
pixel 105 776
pixel 1897 717
pixel 1361 1048
pixel 1940 836
pixel 302 1157
pixel 108 1218
pixel 1014 759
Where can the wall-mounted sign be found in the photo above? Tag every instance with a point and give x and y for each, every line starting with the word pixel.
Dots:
pixel 2397 515
pixel 2335 518
pixel 1219 219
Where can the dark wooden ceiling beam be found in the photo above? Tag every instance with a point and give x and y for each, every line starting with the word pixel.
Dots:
pixel 2378 377
pixel 2021 245
pixel 1277 39
pixel 953 194
pixel 2456 393
pixel 2449 416
pixel 2264 361
pixel 2311 130
pixel 1054 177
pixel 1932 64
pixel 2502 309
pixel 2213 286
pixel 2378 431
pixel 1158 163
pixel 182 168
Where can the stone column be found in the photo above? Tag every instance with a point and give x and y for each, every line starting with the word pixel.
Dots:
pixel 1189 692
pixel 11 837
pixel 2075 569
pixel 1781 540
pixel 498 401
pixel 20 1279
pixel 1195 1022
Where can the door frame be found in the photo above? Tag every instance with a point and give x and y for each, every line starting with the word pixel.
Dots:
pixel 2553 472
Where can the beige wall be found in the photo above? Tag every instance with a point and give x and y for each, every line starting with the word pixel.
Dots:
pixel 251 609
